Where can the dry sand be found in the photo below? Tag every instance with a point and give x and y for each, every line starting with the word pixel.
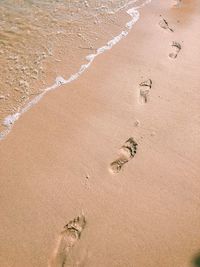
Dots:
pixel 55 163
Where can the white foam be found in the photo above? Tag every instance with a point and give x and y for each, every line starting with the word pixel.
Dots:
pixel 60 80
pixel 10 119
pixel 133 12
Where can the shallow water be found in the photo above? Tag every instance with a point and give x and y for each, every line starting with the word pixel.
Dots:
pixel 38 38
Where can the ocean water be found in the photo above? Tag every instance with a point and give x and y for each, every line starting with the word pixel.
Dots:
pixel 38 38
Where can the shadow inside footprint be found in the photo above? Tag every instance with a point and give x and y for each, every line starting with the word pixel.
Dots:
pixel 76 225
pixel 66 240
pixel 145 91
pixel 164 24
pixel 126 152
pixel 177 47
pixel 116 165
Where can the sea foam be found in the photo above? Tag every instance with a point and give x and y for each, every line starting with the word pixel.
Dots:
pixel 9 121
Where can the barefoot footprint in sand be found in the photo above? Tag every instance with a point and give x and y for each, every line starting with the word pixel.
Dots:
pixel 164 24
pixel 67 239
pixel 145 91
pixel 126 153
pixel 176 47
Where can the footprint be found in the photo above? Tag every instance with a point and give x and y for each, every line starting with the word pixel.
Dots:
pixel 145 91
pixel 164 24
pixel 67 239
pixel 86 181
pixel 177 3
pixel 126 152
pixel 177 47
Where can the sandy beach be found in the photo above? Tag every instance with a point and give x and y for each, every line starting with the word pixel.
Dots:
pixel 56 163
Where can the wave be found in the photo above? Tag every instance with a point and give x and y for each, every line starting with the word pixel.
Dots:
pixel 133 12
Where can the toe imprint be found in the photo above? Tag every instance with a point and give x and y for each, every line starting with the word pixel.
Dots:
pixel 145 91
pixel 126 153
pixel 67 238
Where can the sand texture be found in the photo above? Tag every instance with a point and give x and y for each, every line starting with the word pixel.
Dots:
pixel 113 157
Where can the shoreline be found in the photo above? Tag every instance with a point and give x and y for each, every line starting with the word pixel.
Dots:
pixel 10 120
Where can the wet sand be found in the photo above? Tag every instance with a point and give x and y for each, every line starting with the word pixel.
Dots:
pixel 55 163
